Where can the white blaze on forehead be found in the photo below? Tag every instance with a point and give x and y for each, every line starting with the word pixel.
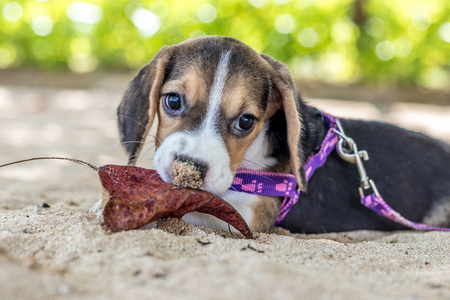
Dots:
pixel 215 95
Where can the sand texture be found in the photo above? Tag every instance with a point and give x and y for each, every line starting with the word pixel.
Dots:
pixel 63 252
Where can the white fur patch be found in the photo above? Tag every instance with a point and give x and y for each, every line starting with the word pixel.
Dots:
pixel 256 157
pixel 97 209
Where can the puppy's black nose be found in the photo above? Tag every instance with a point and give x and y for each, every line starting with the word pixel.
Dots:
pixel 201 166
pixel 188 172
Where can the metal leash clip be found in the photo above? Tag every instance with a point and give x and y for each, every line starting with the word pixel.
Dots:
pixel 348 151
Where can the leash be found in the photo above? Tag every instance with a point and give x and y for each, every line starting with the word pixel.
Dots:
pixel 373 201
pixel 285 185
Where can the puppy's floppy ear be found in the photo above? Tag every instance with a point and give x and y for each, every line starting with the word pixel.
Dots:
pixel 284 91
pixel 139 104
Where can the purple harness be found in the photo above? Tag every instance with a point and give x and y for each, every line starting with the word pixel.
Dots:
pixel 284 185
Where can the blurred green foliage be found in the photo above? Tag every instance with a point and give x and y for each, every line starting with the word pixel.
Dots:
pixel 378 41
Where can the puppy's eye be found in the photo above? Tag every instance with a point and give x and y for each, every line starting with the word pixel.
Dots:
pixel 245 122
pixel 173 101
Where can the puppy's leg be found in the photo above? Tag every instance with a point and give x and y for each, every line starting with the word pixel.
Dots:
pixel 97 209
pixel 265 212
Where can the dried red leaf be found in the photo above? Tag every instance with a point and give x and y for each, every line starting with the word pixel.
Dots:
pixel 138 196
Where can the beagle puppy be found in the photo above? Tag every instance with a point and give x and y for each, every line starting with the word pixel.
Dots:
pixel 224 106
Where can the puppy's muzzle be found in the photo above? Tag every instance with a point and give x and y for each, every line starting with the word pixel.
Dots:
pixel 206 151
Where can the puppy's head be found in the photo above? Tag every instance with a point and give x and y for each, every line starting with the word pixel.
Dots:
pixel 213 97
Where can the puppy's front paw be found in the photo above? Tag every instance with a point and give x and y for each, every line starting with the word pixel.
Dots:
pixel 97 209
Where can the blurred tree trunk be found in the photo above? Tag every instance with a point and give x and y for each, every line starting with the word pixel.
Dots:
pixel 359 17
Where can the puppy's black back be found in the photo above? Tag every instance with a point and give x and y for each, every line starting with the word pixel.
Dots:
pixel 411 170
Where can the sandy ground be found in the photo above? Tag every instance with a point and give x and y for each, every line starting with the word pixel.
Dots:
pixel 62 252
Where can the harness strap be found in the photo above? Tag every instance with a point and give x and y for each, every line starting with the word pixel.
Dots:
pixel 285 185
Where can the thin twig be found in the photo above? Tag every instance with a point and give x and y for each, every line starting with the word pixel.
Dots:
pixel 77 161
